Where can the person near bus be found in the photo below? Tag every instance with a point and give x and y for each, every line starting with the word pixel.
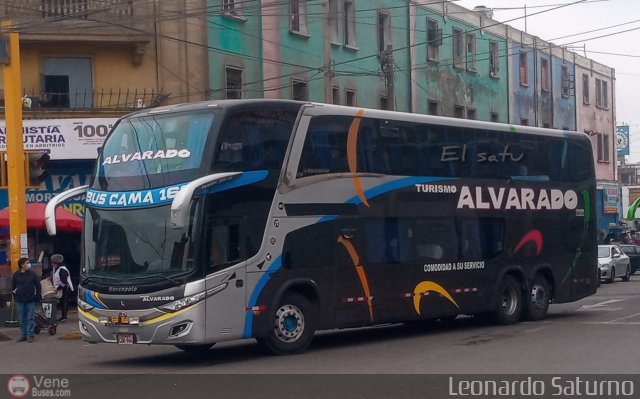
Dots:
pixel 26 289
pixel 63 284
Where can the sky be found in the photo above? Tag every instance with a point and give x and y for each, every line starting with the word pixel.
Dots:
pixel 577 19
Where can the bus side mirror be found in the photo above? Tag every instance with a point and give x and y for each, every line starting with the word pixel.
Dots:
pixel 182 201
pixel 50 210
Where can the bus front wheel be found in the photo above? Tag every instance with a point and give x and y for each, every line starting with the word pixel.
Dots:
pixel 537 299
pixel 508 306
pixel 293 326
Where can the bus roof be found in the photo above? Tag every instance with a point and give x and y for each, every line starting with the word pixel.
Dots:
pixel 316 109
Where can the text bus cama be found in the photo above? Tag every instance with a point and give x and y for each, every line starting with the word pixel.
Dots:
pixel 271 219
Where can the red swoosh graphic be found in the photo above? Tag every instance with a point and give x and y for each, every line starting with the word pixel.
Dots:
pixel 533 235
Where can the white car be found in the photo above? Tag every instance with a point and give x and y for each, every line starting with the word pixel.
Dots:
pixel 612 263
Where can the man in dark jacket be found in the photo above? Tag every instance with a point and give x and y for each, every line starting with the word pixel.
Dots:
pixel 26 289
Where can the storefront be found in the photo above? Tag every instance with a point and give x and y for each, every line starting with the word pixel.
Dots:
pixel 608 208
pixel 72 145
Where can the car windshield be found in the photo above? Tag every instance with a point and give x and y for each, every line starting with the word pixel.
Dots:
pixel 627 249
pixel 604 252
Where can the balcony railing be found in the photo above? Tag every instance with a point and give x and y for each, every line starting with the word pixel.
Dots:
pixel 112 99
pixel 69 8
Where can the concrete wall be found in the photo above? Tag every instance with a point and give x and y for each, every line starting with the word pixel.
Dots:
pixel 592 119
pixel 441 81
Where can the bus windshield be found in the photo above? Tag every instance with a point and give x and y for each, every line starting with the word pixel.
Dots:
pixel 154 150
pixel 115 247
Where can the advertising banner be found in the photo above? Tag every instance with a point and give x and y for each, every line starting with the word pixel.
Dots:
pixel 611 198
pixel 63 138
pixel 622 139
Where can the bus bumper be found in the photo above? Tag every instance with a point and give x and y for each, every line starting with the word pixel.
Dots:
pixel 147 326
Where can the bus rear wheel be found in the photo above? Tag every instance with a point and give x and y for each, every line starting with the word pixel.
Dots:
pixel 508 305
pixel 201 348
pixel 293 326
pixel 537 299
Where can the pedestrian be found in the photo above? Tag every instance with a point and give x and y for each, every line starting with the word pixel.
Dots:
pixel 63 284
pixel 26 289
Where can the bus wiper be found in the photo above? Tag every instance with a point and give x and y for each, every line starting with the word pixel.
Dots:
pixel 88 278
pixel 175 282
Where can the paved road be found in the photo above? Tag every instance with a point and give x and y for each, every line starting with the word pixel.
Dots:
pixel 599 334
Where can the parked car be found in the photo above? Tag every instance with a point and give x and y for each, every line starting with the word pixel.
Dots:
pixel 633 252
pixel 612 263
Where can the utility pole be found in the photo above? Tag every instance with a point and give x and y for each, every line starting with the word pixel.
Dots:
pixel 387 68
pixel 15 149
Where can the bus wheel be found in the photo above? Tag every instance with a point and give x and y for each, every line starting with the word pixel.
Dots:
pixel 509 304
pixel 293 326
pixel 536 299
pixel 202 348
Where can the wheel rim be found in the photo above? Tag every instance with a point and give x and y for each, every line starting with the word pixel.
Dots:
pixel 509 302
pixel 538 295
pixel 289 323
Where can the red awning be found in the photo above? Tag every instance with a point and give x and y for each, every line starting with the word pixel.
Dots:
pixel 65 220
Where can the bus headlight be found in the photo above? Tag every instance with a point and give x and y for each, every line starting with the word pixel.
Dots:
pixel 84 306
pixel 184 302
pixel 193 299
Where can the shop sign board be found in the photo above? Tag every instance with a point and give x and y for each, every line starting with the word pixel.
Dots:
pixel 610 198
pixel 63 138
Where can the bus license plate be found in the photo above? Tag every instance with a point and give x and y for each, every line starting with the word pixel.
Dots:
pixel 125 339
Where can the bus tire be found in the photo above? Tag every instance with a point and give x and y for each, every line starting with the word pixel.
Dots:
pixel 201 348
pixel 293 326
pixel 508 306
pixel 537 299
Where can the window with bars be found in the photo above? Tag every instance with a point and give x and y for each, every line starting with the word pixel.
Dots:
pixel 494 64
pixel 434 40
pixel 470 44
pixel 298 16
pixel 545 81
pixel 384 31
pixel 335 94
pixel 334 21
pixel 349 24
pixel 585 89
pixel 432 107
pixel 300 90
pixel 350 98
pixel 458 111
pixel 233 78
pixel 524 69
pixel 458 48
pixel 603 147
pixel 602 93
pixel 565 84
pixel 233 7
pixel 471 113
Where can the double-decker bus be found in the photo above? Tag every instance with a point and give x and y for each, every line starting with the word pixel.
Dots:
pixel 272 219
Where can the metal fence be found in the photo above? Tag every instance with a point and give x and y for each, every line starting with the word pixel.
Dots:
pixel 113 99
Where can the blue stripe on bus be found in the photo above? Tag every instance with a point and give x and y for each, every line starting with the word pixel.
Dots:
pixel 163 195
pixel 387 187
pixel 248 324
pixel 244 180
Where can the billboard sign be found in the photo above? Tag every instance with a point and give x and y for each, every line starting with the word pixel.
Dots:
pixel 63 138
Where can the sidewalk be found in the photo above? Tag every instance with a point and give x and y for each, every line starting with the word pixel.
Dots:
pixel 66 330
